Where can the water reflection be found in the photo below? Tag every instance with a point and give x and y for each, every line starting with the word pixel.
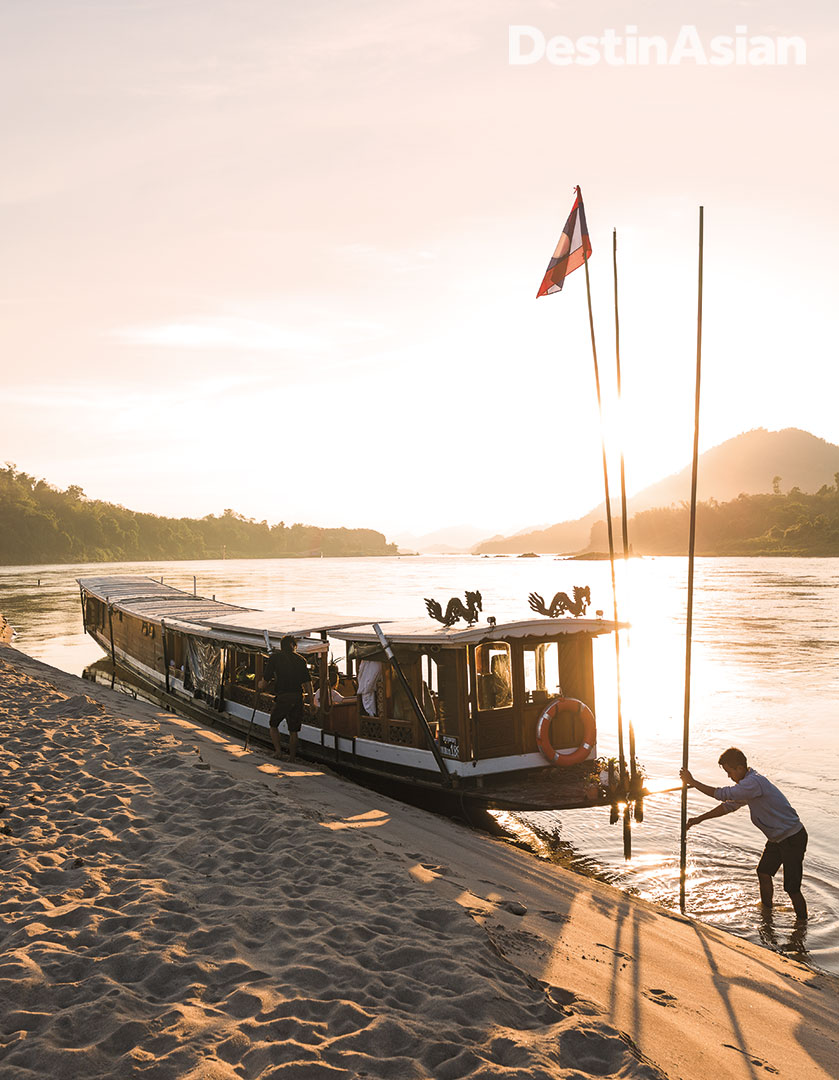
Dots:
pixel 790 942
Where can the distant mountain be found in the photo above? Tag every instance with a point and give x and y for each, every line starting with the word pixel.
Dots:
pixel 747 464
pixel 449 541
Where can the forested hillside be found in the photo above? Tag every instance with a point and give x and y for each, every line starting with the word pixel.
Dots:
pixel 750 463
pixel 40 524
pixel 794 523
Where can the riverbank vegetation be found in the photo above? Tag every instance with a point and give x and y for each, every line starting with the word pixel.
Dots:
pixel 41 524
pixel 791 523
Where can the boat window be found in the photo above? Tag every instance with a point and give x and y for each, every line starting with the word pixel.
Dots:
pixel 541 671
pixel 95 612
pixel 440 691
pixel 175 652
pixel 243 669
pixel 400 704
pixel 492 665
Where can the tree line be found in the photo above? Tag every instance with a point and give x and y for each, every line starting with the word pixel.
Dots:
pixel 791 523
pixel 39 523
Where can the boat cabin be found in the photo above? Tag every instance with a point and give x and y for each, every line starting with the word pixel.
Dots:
pixel 482 689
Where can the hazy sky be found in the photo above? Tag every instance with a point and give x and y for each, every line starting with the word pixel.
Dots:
pixel 283 257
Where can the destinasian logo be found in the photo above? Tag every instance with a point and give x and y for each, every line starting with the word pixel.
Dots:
pixel 529 45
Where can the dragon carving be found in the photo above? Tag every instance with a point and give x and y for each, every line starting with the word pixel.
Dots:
pixel 456 609
pixel 562 603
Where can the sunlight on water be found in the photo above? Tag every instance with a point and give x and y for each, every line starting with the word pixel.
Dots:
pixel 765 676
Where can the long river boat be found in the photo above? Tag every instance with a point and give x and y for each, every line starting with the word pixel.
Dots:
pixel 488 715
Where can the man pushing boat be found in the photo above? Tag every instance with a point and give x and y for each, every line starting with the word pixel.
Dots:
pixel 770 811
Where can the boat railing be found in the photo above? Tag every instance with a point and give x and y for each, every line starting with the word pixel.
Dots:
pixel 343 718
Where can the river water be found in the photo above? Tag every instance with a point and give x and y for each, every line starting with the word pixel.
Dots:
pixel 765 663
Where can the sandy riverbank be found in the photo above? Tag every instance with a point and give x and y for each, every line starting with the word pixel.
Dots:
pixel 175 907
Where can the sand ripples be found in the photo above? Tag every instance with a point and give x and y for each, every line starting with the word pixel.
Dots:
pixel 164 919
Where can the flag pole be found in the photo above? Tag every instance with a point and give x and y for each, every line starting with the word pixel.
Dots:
pixel 621 757
pixel 634 779
pixel 691 553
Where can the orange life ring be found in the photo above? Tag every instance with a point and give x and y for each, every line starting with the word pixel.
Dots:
pixel 543 731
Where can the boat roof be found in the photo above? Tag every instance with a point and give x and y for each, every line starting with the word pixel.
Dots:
pixel 289 621
pixel 425 632
pixel 153 600
pixel 236 625
pixel 181 611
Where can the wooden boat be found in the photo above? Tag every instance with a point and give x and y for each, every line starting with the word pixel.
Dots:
pixel 452 714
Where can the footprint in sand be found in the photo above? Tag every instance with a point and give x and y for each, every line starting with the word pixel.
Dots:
pixel 761 1064
pixel 435 869
pixel 623 956
pixel 569 1003
pixel 661 997
pixel 554 916
pixel 516 940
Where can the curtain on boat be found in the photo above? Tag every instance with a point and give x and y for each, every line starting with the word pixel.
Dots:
pixel 205 666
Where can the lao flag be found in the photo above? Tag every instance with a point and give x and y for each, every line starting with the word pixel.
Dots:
pixel 573 248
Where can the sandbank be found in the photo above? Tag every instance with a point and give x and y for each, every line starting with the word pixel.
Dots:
pixel 177 907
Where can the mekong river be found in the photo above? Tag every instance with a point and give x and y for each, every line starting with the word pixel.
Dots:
pixel 765 660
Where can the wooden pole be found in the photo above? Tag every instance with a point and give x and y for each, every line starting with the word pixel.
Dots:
pixel 111 631
pixel 691 552
pixel 253 714
pixel 165 655
pixel 325 688
pixel 445 777
pixel 256 690
pixel 634 778
pixel 621 756
pixel 113 650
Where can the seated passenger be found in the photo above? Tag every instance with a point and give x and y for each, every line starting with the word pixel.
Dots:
pixel 502 689
pixel 335 697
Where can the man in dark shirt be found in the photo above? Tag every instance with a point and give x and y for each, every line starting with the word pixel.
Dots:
pixel 290 674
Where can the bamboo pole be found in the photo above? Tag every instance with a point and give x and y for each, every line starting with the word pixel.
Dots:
pixel 445 777
pixel 691 553
pixel 624 525
pixel 627 842
pixel 634 778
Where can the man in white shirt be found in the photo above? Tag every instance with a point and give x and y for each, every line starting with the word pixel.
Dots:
pixel 770 811
pixel 334 696
pixel 369 674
